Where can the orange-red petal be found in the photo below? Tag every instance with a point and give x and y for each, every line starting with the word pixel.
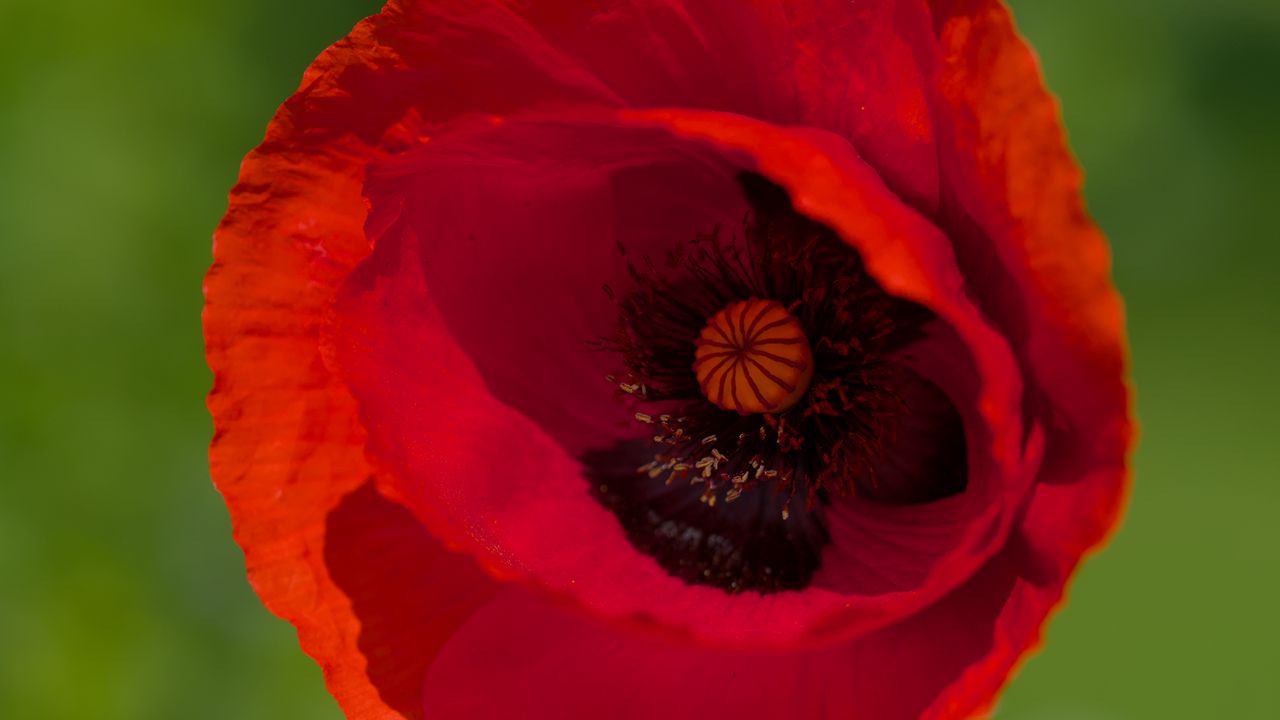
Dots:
pixel 323 549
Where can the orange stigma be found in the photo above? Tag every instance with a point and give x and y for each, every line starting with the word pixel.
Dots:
pixel 753 357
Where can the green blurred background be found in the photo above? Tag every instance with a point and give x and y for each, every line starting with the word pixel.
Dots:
pixel 121 128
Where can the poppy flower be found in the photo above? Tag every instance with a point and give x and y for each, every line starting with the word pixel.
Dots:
pixel 667 359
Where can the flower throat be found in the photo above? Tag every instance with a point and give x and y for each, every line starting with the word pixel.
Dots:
pixel 766 377
pixel 761 358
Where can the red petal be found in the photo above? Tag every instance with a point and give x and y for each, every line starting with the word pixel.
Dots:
pixel 1020 229
pixel 519 227
pixel 865 71
pixel 901 548
pixel 288 450
pixel 407 596
pixel 525 657
pixel 1009 165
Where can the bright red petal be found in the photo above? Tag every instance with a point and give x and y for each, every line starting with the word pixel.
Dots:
pixel 1009 166
pixel 323 550
pixel 1020 227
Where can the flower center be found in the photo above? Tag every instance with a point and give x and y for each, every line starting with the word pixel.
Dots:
pixel 765 368
pixel 753 357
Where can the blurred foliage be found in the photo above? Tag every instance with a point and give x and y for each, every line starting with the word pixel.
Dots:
pixel 121 126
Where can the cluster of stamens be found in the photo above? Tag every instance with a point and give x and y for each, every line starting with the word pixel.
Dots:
pixel 710 468
pixel 803 404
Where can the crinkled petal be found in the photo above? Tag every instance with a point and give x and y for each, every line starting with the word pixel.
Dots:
pixel 288 449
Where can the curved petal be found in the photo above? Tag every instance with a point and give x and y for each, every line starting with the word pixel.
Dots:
pixel 898 547
pixel 550 662
pixel 1021 230
pixel 524 227
pixel 398 620
pixel 288 449
pixel 863 70
pixel 1022 235
pixel 474 455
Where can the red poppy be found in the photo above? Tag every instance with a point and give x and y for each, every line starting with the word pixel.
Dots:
pixel 667 359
